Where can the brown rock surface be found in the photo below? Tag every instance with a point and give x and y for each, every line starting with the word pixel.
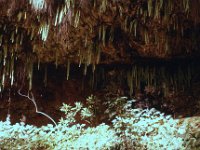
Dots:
pixel 105 32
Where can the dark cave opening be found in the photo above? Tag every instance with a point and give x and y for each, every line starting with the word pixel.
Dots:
pixel 165 85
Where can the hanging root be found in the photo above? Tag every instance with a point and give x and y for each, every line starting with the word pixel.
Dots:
pixel 36 108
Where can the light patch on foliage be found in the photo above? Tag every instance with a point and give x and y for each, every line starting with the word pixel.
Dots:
pixel 150 129
pixel 38 4
pixel 132 129
pixel 44 31
pixel 20 136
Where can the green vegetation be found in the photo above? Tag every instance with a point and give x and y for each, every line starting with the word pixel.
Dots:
pixel 130 129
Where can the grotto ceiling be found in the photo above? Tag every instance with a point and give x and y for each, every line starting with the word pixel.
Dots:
pixel 98 31
pixel 91 32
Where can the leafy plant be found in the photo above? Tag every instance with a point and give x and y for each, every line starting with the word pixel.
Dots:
pixel 114 107
pixel 67 133
pixel 149 129
pixel 131 129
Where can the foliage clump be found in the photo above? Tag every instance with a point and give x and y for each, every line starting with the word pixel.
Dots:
pixel 67 134
pixel 150 129
pixel 130 129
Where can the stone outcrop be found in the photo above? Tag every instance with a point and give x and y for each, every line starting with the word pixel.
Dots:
pixel 100 31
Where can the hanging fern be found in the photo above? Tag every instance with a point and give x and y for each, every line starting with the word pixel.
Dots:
pixel 44 30
pixel 38 4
